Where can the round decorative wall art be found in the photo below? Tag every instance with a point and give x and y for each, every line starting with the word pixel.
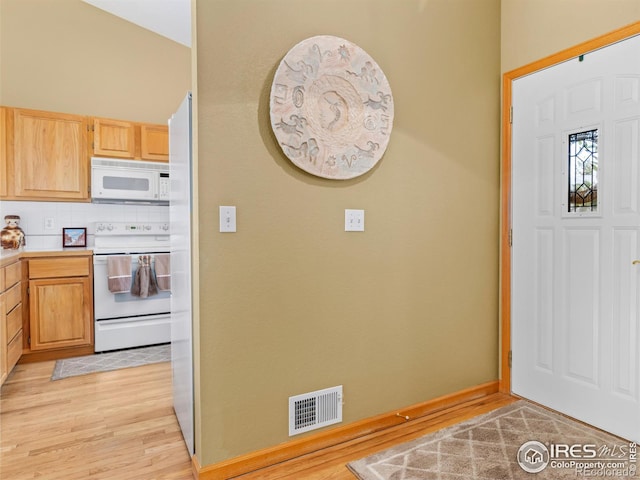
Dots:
pixel 331 108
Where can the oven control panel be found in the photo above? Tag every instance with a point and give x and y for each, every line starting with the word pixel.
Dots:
pixel 136 228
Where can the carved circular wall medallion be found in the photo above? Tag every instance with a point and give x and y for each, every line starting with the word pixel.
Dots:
pixel 331 108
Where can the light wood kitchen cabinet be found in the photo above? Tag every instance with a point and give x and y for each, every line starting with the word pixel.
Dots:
pixel 10 318
pixel 114 138
pixel 154 142
pixel 3 334
pixel 60 302
pixel 46 157
pixel 130 140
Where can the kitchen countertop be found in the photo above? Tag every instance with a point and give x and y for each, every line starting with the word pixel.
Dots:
pixel 9 256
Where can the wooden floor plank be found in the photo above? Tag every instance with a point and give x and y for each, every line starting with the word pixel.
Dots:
pixel 120 426
pixel 115 425
pixel 331 463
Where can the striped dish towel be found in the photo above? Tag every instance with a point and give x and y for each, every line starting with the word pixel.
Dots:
pixel 119 273
pixel 163 271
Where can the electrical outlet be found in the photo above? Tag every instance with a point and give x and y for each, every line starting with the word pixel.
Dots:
pixel 49 224
pixel 353 220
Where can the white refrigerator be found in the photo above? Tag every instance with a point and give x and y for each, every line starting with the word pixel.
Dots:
pixel 180 211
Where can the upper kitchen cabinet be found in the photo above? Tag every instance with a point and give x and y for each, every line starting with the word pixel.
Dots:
pixel 154 142
pixel 131 140
pixel 114 138
pixel 46 156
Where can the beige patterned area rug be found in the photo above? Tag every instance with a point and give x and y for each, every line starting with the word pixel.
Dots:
pixel 519 441
pixel 105 362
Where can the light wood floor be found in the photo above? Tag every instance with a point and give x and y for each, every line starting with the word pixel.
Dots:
pixel 115 425
pixel 330 463
pixel 120 426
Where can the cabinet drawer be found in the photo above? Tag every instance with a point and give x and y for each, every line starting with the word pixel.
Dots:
pixel 12 274
pixel 59 267
pixel 14 351
pixel 14 322
pixel 12 297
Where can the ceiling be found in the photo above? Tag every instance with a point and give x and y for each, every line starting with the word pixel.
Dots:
pixel 169 18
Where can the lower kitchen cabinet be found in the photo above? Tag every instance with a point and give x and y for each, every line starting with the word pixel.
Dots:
pixel 60 312
pixel 60 303
pixel 14 336
pixel 10 318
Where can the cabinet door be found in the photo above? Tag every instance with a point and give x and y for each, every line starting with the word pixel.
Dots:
pixel 154 142
pixel 60 312
pixel 50 155
pixel 114 138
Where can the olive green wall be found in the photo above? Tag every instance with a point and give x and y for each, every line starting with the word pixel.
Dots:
pixel 534 29
pixel 68 56
pixel 399 314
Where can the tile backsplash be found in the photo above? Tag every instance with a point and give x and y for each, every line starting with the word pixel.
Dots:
pixel 33 216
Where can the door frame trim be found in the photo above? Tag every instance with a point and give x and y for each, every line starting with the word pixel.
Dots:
pixel 607 39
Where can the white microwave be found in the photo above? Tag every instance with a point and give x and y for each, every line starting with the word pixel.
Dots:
pixel 128 181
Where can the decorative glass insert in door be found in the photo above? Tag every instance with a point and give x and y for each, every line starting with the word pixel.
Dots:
pixel 583 172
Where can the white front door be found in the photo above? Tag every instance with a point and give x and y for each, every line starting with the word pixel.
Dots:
pixel 576 235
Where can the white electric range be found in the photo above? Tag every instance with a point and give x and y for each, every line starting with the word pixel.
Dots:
pixel 123 320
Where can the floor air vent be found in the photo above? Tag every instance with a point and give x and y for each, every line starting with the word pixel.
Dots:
pixel 315 410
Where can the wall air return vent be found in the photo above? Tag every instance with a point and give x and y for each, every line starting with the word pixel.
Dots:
pixel 313 410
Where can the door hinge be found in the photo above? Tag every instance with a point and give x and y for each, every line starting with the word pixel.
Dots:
pixel 29 341
pixel 511 237
pixel 511 114
pixel 510 358
pixel 28 290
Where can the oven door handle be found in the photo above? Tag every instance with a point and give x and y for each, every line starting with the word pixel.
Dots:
pixel 102 259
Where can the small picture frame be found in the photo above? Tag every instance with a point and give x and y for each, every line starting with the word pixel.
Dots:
pixel 74 237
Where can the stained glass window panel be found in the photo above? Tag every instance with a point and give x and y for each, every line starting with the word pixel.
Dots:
pixel 583 172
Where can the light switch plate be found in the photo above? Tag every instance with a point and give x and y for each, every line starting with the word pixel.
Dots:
pixel 353 220
pixel 227 219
